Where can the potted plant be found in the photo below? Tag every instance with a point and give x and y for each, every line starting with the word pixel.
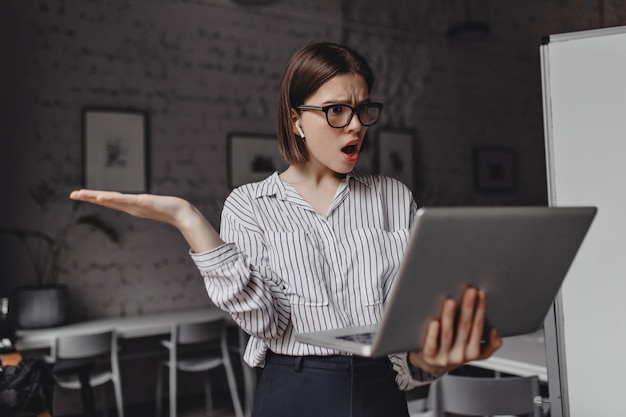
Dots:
pixel 45 304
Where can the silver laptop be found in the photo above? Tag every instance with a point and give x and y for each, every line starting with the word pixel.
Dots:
pixel 518 255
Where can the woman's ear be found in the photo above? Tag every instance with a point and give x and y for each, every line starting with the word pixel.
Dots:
pixel 297 129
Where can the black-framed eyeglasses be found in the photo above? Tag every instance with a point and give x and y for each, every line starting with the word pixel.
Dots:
pixel 340 115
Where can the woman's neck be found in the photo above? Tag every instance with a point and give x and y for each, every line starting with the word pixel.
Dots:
pixel 307 175
pixel 317 188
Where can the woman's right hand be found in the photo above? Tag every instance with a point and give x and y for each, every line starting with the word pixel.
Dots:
pixel 164 209
pixel 174 211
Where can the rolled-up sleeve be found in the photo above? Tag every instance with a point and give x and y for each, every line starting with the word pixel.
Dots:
pixel 243 286
pixel 407 376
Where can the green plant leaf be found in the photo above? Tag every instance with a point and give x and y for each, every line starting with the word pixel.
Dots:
pixel 24 234
pixel 42 193
pixel 98 223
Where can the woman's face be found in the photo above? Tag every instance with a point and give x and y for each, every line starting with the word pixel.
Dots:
pixel 335 149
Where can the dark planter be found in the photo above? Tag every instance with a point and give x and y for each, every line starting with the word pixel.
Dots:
pixel 37 307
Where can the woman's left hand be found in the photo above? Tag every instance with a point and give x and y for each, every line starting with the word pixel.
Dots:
pixel 450 342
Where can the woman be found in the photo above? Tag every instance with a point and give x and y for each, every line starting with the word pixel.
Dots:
pixel 317 247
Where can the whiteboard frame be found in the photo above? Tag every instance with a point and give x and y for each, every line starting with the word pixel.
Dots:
pixel 554 325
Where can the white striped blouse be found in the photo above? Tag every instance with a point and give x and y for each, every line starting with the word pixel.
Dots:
pixel 287 268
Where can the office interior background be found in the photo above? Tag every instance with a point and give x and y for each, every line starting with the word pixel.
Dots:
pixel 461 79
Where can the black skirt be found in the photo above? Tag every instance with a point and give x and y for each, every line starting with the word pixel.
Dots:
pixel 328 386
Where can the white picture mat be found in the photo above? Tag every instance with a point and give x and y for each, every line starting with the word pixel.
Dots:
pixel 115 156
pixel 395 156
pixel 253 158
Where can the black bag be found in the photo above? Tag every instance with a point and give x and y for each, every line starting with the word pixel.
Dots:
pixel 25 389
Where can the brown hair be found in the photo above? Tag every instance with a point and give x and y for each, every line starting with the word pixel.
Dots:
pixel 306 71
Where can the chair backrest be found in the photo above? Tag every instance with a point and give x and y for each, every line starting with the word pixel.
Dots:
pixel 85 345
pixel 201 332
pixel 473 396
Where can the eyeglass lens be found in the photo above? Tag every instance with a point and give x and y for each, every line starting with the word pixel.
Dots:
pixel 340 115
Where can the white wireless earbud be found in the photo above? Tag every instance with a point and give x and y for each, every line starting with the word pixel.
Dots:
pixel 299 129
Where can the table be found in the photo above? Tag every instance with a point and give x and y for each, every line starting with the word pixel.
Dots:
pixel 523 355
pixel 520 355
pixel 128 327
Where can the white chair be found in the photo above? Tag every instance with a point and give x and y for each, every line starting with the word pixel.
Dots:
pixel 190 351
pixel 418 402
pixel 249 373
pixel 475 396
pixel 419 408
pixel 91 359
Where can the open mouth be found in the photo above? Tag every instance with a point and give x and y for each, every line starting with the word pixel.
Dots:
pixel 349 150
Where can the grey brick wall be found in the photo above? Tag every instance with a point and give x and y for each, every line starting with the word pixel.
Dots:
pixel 204 68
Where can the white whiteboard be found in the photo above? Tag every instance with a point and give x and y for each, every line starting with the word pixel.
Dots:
pixel 584 76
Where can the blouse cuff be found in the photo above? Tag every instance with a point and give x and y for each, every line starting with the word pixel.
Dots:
pixel 213 257
pixel 420 375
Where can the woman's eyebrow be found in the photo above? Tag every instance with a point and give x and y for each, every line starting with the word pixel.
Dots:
pixel 345 101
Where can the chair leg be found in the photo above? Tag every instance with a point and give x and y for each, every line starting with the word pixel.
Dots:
pixel 104 400
pixel 119 401
pixel 249 382
pixel 86 393
pixel 173 394
pixel 232 384
pixel 159 390
pixel 249 374
pixel 208 393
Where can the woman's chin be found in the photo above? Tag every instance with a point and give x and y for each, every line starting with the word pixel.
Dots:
pixel 344 169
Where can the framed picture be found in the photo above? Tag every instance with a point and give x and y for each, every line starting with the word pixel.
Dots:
pixel 395 154
pixel 115 150
pixel 495 169
pixel 252 158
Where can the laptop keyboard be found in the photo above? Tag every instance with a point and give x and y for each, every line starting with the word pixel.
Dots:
pixel 364 338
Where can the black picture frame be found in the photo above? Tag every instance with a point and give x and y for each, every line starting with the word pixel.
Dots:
pixel 495 169
pixel 395 154
pixel 115 149
pixel 252 157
